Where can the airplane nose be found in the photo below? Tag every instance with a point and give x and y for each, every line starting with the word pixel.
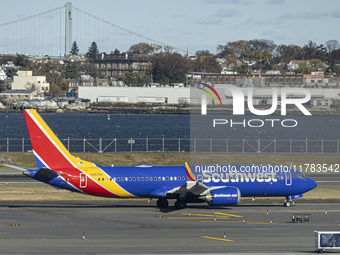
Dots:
pixel 312 184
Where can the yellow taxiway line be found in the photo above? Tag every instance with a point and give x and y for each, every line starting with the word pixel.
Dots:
pixel 218 239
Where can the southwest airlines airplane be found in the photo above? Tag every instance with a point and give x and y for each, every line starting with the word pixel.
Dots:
pixel 57 167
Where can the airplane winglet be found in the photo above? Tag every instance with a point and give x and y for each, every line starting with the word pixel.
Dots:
pixel 189 173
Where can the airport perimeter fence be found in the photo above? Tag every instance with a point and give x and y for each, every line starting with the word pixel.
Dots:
pixel 163 144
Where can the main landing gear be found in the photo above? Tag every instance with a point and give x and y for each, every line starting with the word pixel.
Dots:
pixel 163 203
pixel 180 204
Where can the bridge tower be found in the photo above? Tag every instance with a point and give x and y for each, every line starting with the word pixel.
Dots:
pixel 68 28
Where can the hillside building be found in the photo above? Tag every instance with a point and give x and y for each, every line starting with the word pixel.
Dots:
pixel 24 80
pixel 3 75
pixel 21 95
pixel 257 80
pixel 116 65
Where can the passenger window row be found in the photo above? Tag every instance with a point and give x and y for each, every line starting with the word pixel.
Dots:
pixel 143 178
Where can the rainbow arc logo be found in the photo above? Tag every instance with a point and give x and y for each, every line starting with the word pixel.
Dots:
pixel 210 94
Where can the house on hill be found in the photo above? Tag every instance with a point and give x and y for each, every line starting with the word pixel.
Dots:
pixel 3 75
pixel 24 80
pixel 307 65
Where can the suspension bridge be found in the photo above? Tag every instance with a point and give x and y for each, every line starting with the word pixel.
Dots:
pixel 52 33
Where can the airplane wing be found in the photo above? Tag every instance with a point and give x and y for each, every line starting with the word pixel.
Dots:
pixel 193 187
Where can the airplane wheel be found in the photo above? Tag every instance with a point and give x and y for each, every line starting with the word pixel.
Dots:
pixel 287 204
pixel 162 203
pixel 180 204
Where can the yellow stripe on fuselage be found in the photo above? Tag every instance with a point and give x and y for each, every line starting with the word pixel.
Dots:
pixel 85 166
pixel 92 170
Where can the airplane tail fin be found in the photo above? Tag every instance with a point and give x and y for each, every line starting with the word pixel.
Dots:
pixel 49 152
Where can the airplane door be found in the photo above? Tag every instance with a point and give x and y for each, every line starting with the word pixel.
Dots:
pixel 288 178
pixel 83 180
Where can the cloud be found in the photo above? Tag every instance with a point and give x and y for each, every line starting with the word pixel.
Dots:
pixel 268 33
pixel 227 2
pixel 254 23
pixel 217 17
pixel 256 27
pixel 305 16
pixel 208 21
pixel 226 13
pixel 317 15
pixel 333 14
pixel 176 16
pixel 277 2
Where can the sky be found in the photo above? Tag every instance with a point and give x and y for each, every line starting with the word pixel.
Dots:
pixel 203 24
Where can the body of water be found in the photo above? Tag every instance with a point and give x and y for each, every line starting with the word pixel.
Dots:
pixel 274 127
pixel 93 126
pixel 173 133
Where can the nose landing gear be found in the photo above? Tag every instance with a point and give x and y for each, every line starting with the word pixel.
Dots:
pixel 288 202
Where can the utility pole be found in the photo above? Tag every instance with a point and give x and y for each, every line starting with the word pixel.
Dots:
pixel 68 28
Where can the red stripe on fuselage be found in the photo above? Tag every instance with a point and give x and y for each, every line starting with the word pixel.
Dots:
pixel 72 175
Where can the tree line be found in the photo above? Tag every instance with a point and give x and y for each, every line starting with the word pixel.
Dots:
pixel 168 66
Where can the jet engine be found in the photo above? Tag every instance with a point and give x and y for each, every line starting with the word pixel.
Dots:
pixel 223 196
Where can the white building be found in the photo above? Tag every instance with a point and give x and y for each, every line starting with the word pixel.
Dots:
pixel 3 75
pixel 169 95
pixel 263 96
pixel 25 80
pixel 21 95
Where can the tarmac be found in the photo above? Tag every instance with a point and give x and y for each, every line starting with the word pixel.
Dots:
pixel 139 227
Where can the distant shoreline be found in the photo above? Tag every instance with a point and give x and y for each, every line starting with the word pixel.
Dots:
pixel 172 109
